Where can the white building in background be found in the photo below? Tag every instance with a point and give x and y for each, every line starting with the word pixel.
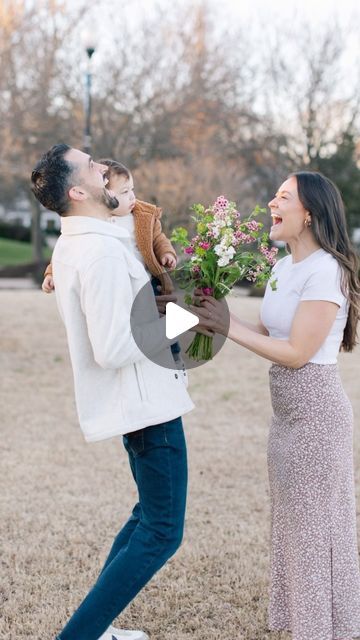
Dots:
pixel 356 237
pixel 21 214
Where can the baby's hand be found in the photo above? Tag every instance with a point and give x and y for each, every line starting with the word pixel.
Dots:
pixel 169 260
pixel 48 284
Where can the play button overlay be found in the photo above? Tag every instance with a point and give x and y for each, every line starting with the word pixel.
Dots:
pixel 166 339
pixel 178 320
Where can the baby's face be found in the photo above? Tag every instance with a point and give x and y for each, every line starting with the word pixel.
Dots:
pixel 124 190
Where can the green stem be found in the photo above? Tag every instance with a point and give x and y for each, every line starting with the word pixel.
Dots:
pixel 201 348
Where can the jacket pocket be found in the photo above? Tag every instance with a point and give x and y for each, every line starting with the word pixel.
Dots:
pixel 140 382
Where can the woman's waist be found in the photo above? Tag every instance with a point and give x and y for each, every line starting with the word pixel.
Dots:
pixel 311 383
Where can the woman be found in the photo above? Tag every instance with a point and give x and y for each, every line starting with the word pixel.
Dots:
pixel 315 580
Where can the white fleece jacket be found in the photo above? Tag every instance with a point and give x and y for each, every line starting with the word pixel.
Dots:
pixel 117 389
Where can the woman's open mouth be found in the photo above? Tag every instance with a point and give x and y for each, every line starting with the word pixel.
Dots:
pixel 276 219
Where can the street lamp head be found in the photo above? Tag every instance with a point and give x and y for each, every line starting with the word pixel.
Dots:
pixel 90 51
pixel 89 42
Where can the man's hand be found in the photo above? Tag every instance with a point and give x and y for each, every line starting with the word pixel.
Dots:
pixel 162 300
pixel 169 260
pixel 48 284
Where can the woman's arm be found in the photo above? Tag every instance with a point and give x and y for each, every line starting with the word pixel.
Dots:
pixel 257 328
pixel 311 325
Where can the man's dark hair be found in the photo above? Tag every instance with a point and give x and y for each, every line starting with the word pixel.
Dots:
pixel 52 178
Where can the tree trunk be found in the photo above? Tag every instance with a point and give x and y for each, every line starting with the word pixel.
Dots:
pixel 36 238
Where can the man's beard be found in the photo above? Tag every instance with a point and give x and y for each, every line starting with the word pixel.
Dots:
pixel 104 197
pixel 110 201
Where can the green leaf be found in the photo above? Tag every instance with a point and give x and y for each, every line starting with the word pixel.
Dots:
pixel 180 236
pixel 199 209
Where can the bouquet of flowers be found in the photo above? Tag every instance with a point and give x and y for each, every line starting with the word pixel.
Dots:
pixel 217 257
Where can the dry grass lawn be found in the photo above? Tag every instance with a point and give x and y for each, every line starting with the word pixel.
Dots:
pixel 63 500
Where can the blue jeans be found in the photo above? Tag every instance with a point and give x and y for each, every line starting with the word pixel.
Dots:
pixel 153 533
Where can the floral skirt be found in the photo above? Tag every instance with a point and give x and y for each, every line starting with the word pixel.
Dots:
pixel 315 579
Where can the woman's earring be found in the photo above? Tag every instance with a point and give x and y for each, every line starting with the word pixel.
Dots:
pixel 308 222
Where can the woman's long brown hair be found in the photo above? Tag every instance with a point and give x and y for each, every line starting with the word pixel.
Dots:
pixel 322 199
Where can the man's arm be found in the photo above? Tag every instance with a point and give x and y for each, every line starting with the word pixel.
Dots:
pixel 48 282
pixel 48 271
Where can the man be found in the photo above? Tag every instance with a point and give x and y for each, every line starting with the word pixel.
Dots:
pixel 118 391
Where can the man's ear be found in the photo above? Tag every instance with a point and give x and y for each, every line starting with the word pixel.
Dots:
pixel 77 193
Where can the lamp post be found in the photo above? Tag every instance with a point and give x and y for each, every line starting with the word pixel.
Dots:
pixel 89 46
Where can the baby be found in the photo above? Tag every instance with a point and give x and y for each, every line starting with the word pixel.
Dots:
pixel 142 220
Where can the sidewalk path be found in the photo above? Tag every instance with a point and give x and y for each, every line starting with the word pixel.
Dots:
pixel 17 283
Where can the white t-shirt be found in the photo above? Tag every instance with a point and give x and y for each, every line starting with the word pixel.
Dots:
pixel 317 277
pixel 128 223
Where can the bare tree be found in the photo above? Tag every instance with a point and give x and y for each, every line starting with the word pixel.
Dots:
pixel 193 109
pixel 313 94
pixel 33 112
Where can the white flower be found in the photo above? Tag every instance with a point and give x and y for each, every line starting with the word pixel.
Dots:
pixel 225 254
pixel 214 230
pixel 222 262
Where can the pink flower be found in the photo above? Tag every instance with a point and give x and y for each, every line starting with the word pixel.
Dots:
pixel 189 250
pixel 204 245
pixel 207 291
pixel 242 238
pixel 269 254
pixel 252 225
pixel 196 271
pixel 251 276
pixel 220 205
pixel 221 202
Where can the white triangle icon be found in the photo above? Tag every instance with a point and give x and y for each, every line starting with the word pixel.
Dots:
pixel 178 320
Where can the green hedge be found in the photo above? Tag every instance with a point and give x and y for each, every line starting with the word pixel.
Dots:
pixel 15 232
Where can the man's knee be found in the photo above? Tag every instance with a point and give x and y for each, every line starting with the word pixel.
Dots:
pixel 175 541
pixel 170 541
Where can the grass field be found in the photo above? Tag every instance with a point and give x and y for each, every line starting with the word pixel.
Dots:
pixel 62 500
pixel 13 252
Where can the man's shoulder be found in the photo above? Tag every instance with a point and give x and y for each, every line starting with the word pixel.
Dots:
pixel 80 251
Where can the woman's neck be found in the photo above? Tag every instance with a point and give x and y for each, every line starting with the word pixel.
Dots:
pixel 301 248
